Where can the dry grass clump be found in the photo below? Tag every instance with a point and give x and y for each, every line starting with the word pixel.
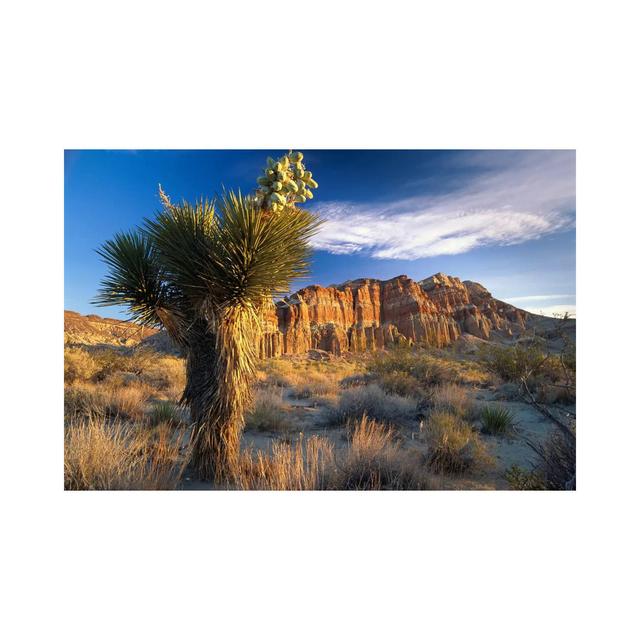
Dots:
pixel 124 367
pixel 452 398
pixel 126 403
pixel 290 467
pixel 374 461
pixel 373 402
pixel 356 380
pixel 315 384
pixel 277 375
pixel 452 444
pixel 305 375
pixel 166 374
pixel 79 365
pixel 400 383
pixel 104 455
pixel 371 461
pixel 269 412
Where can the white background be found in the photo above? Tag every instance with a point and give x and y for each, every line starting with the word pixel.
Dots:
pixel 332 74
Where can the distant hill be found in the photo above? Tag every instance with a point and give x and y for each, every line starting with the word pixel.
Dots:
pixel 94 330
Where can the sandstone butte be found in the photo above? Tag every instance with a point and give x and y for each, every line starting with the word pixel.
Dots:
pixel 358 315
pixel 370 314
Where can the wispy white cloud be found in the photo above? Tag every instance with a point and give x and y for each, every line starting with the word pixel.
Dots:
pixel 515 198
pixel 553 296
pixel 552 310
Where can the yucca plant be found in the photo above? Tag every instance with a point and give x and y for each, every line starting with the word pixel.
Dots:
pixel 204 272
pixel 496 420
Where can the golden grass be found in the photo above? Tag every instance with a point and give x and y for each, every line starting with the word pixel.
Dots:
pixel 104 455
pixel 268 411
pixel 374 461
pixel 452 444
pixel 126 403
pixel 79 365
pixel 300 466
pixel 426 368
pixel 115 368
pixel 299 371
pixel 452 398
pixel 166 374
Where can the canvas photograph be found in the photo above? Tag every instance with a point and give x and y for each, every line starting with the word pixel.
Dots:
pixel 318 319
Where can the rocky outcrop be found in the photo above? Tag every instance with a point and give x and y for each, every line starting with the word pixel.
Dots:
pixel 369 314
pixel 359 315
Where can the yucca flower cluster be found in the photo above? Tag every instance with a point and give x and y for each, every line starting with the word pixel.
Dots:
pixel 284 182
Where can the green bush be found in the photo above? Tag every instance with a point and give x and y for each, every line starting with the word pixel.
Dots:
pixel 512 363
pixel 496 420
pixel 164 413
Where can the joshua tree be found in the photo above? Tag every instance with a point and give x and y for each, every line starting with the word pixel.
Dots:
pixel 204 271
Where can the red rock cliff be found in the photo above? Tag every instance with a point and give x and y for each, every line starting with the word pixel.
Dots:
pixel 370 314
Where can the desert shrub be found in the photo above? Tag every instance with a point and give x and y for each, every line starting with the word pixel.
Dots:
pixel 452 444
pixel 278 373
pixel 127 403
pixel 122 366
pixel 374 461
pixel 557 461
pixel 520 479
pixel 426 369
pixel 99 454
pixel 452 398
pixel 111 361
pixel 79 365
pixel 497 421
pixel 84 401
pixel 375 403
pixel 555 393
pixel 165 373
pixel 514 362
pixel 289 467
pixel 400 383
pixel 315 384
pixel 356 380
pixel 269 412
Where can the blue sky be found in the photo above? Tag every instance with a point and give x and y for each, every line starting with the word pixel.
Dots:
pixel 505 219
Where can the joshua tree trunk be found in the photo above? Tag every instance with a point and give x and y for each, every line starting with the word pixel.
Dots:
pixel 220 365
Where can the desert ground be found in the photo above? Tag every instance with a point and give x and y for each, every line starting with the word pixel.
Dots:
pixel 474 415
